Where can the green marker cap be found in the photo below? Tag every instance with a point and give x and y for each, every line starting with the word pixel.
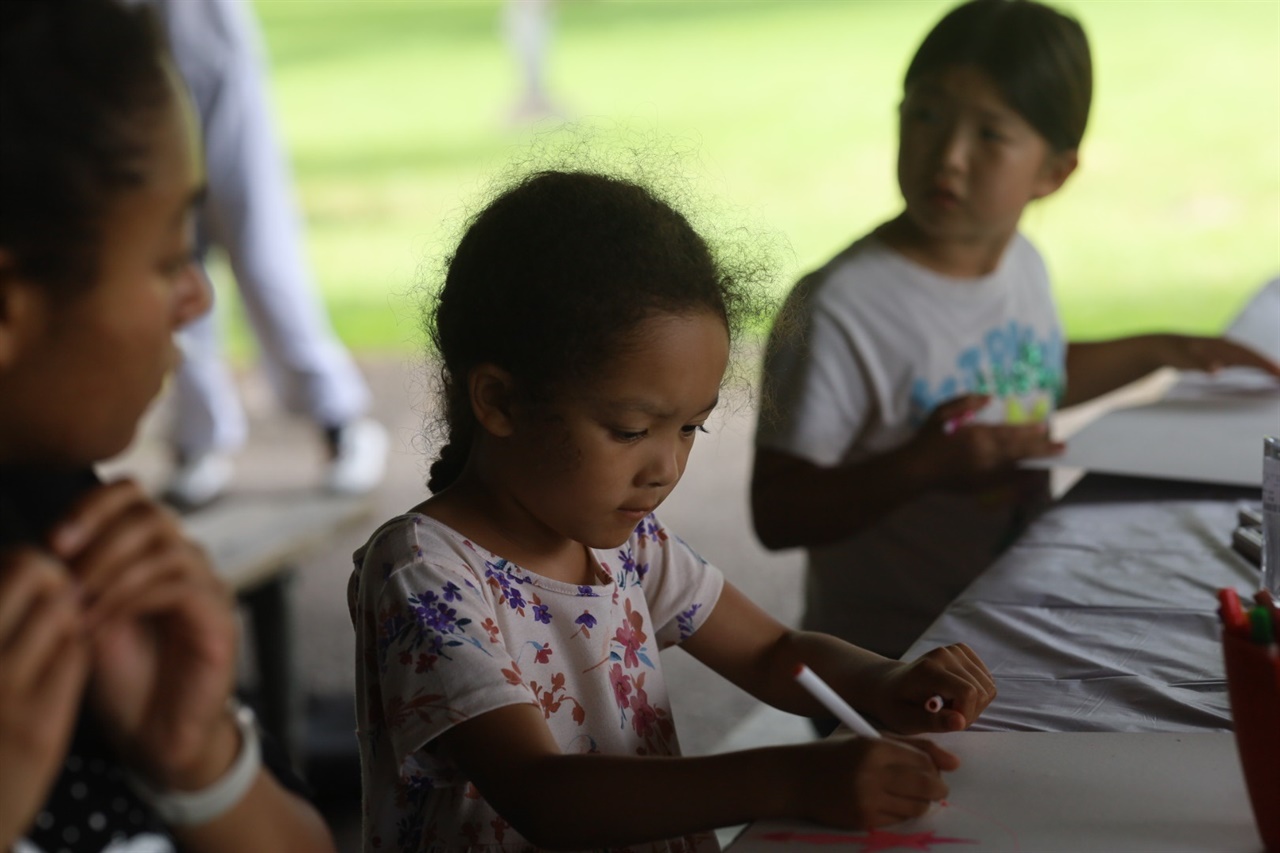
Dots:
pixel 1260 623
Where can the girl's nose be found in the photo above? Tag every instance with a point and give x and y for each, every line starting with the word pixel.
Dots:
pixel 954 153
pixel 663 468
pixel 193 296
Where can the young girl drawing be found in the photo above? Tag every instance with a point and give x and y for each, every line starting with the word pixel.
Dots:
pixel 941 318
pixel 117 640
pixel 510 691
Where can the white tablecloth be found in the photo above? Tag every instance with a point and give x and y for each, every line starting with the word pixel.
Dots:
pixel 1102 617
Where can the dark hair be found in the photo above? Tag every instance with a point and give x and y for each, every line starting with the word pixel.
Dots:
pixel 1037 56
pixel 78 80
pixel 550 280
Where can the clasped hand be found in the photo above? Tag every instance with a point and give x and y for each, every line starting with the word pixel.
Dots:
pixel 123 606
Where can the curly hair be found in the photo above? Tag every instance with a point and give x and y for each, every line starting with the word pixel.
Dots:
pixel 551 279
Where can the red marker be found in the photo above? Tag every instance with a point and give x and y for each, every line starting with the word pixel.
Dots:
pixel 1231 612
pixel 934 704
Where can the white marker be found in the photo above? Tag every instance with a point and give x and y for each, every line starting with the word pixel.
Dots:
pixel 844 712
pixel 831 700
pixel 934 704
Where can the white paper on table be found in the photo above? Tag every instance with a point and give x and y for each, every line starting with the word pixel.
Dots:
pixel 1044 792
pixel 1205 429
pixel 1201 432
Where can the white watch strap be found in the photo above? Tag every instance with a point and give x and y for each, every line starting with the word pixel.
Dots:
pixel 188 808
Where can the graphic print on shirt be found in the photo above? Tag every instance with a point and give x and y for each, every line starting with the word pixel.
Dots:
pixel 1020 370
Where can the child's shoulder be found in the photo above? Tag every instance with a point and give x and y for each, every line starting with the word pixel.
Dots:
pixel 867 262
pixel 865 266
pixel 417 538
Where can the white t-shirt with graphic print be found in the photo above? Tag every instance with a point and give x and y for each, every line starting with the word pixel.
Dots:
pixel 865 348
pixel 446 631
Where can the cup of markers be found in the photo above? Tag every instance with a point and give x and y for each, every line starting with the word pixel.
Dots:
pixel 1251 652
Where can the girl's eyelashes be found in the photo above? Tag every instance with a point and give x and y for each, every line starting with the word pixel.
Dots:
pixel 628 435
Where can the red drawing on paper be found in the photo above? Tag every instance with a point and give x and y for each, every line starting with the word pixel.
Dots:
pixel 873 841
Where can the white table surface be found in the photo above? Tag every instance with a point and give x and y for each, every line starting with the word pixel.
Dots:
pixel 1062 793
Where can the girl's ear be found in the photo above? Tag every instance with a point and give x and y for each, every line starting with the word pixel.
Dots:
pixel 18 310
pixel 1058 166
pixel 490 388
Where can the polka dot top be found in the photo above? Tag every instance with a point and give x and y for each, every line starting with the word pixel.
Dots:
pixel 91 808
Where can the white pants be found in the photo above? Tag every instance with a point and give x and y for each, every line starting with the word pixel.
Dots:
pixel 250 212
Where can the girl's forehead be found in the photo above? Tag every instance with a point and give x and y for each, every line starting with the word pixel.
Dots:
pixel 959 82
pixel 674 362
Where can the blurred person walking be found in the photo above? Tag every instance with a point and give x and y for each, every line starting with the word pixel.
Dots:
pixel 527 27
pixel 250 212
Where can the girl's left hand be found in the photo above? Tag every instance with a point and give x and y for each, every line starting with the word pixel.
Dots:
pixel 1187 352
pixel 953 672
pixel 163 636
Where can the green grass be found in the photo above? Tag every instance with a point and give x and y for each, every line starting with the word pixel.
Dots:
pixel 394 113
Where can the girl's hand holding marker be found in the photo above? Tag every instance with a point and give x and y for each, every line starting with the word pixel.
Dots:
pixel 967 453
pixel 879 780
pixel 897 778
pixel 944 690
pixel 954 669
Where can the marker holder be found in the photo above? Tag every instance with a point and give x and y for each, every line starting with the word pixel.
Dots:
pixel 1253 682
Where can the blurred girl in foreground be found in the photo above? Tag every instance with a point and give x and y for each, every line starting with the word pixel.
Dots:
pixel 117 640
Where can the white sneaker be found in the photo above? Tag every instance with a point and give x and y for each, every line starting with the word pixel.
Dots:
pixel 359 458
pixel 199 480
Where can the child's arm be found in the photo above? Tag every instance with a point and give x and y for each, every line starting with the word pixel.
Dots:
pixel 797 503
pixel 547 796
pixel 560 801
pixel 1097 367
pixel 759 654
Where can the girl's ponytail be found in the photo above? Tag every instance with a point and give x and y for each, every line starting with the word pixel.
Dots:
pixel 462 428
pixel 446 469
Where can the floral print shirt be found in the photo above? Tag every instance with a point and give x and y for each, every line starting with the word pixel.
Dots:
pixel 446 631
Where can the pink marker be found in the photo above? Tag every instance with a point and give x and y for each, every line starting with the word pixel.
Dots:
pixel 954 424
pixel 934 704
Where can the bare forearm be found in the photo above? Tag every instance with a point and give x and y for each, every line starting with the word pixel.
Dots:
pixel 270 817
pixel 795 503
pixel 675 796
pixel 856 671
pixel 1097 367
